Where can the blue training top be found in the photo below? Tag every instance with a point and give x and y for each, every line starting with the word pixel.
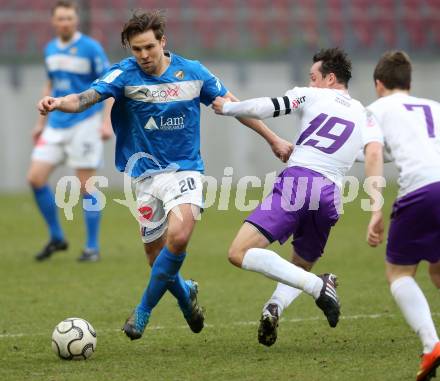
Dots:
pixel 158 117
pixel 71 68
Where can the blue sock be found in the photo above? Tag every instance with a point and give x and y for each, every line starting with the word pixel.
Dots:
pixel 92 221
pixel 46 203
pixel 164 271
pixel 180 290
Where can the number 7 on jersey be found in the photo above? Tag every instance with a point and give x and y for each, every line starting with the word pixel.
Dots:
pixel 428 117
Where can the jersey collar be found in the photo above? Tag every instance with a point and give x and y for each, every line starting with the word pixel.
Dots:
pixel 171 57
pixel 168 54
pixel 343 93
pixel 64 45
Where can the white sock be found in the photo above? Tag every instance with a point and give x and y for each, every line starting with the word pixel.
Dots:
pixel 283 296
pixel 270 264
pixel 414 306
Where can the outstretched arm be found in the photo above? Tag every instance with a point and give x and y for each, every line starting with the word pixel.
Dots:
pixel 71 103
pixel 257 108
pixel 280 147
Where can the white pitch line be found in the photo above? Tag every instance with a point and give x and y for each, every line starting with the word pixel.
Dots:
pixel 314 318
pixel 238 323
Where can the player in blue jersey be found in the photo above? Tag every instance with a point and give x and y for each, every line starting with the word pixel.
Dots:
pixel 156 119
pixel 73 61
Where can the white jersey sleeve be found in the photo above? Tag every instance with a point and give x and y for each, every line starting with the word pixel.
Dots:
pixel 263 108
pixel 257 108
pixel 411 130
pixel 371 131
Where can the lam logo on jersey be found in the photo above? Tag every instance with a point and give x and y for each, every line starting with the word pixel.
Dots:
pixel 151 124
pixel 166 123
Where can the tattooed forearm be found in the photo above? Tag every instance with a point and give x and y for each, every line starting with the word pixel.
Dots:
pixel 88 98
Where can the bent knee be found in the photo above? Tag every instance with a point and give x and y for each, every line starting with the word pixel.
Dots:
pixel 178 242
pixel 300 262
pixel 35 180
pixel 236 255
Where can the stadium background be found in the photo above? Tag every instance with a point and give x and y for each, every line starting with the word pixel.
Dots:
pixel 256 47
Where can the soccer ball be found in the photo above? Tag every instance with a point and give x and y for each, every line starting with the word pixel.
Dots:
pixel 74 339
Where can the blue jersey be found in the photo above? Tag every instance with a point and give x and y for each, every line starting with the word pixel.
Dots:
pixel 71 68
pixel 158 117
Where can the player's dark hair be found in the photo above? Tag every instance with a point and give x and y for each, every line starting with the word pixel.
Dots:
pixel 143 22
pixel 335 61
pixel 394 70
pixel 64 4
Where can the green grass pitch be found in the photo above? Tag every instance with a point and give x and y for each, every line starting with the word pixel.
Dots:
pixel 372 341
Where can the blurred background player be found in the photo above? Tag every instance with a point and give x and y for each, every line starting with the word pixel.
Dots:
pixel 156 118
pixel 73 61
pixel 333 130
pixel 411 133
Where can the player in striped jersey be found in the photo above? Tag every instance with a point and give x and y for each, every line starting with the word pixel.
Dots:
pixel 304 200
pixel 411 129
